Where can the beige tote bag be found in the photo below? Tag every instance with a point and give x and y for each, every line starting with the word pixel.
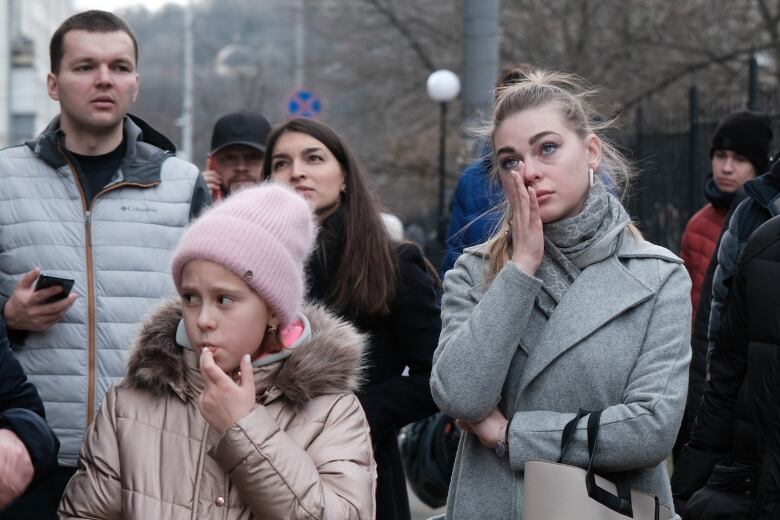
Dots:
pixel 563 492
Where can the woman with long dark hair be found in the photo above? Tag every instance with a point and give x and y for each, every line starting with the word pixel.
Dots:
pixel 387 289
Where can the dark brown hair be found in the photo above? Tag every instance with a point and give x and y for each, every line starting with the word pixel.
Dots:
pixel 93 21
pixel 366 277
pixel 513 74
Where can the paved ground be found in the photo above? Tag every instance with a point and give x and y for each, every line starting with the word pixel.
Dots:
pixel 419 510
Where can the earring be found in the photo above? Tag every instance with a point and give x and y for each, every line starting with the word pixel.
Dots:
pixel 590 177
pixel 271 330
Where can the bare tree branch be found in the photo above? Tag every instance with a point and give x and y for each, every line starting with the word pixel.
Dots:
pixel 403 29
pixel 770 20
pixel 686 71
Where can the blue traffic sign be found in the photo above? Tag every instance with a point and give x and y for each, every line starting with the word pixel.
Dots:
pixel 304 103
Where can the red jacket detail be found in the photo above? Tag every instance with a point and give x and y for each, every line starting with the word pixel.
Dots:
pixel 698 245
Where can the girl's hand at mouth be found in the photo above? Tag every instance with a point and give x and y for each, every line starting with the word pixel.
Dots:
pixel 224 402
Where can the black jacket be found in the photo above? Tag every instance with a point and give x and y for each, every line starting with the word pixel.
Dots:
pixel 756 203
pixel 406 337
pixel 699 343
pixel 738 424
pixel 21 410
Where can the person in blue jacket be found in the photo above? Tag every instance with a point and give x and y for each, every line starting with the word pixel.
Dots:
pixel 474 213
pixel 28 446
pixel 475 210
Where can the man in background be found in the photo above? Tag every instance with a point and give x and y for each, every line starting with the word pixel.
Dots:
pixel 237 152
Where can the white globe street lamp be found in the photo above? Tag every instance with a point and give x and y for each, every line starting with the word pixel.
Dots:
pixel 241 64
pixel 443 86
pixel 236 60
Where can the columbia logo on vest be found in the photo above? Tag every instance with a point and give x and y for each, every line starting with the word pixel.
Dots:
pixel 139 209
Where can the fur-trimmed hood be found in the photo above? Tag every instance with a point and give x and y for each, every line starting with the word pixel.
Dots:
pixel 329 361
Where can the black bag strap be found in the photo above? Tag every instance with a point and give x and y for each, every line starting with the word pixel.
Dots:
pixel 620 503
pixel 568 432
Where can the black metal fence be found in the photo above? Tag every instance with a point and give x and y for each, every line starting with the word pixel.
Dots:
pixel 673 157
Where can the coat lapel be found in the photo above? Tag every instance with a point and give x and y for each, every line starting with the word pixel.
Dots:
pixel 600 293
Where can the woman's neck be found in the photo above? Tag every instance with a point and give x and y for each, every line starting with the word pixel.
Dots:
pixel 323 213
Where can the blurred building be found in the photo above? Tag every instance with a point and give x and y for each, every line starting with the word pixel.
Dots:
pixel 26 27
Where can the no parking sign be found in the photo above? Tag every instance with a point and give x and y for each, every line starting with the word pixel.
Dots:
pixel 304 103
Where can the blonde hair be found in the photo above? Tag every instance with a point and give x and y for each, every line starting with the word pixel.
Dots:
pixel 532 90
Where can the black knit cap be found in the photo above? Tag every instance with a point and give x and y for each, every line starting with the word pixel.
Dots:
pixel 747 133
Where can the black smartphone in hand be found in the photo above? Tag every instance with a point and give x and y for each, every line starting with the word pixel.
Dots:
pixel 46 280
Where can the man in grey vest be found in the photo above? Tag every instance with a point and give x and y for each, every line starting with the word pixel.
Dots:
pixel 97 198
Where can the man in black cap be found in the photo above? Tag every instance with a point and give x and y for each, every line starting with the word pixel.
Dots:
pixel 237 151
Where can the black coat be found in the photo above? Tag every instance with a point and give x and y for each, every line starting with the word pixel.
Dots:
pixel 754 204
pixel 406 337
pixel 699 343
pixel 735 441
pixel 21 410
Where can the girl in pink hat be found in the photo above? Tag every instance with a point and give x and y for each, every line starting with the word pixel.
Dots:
pixel 239 400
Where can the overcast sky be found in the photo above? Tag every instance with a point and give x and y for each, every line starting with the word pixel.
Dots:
pixel 111 5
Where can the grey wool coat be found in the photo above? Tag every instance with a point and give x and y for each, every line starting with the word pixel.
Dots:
pixel 618 341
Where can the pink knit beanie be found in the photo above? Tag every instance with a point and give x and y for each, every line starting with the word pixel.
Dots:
pixel 263 234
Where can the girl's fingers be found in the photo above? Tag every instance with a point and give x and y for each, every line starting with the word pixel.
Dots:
pixel 520 169
pixel 512 193
pixel 533 206
pixel 509 186
pixel 518 178
pixel 247 376
pixel 208 368
pixel 203 364
pixel 521 210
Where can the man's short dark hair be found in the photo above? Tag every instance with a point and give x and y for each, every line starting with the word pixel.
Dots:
pixel 513 74
pixel 93 21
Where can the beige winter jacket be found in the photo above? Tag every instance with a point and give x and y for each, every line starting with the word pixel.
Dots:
pixel 304 452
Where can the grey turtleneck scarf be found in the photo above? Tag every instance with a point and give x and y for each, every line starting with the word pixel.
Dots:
pixel 572 244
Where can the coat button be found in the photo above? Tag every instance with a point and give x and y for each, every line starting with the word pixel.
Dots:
pixel 220 501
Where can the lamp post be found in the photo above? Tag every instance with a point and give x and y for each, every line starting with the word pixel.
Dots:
pixel 188 87
pixel 241 63
pixel 443 86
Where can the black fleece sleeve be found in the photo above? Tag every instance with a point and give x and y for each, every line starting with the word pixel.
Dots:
pixel 21 411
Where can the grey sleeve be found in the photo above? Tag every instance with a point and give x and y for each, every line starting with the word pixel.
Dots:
pixel 641 430
pixel 479 339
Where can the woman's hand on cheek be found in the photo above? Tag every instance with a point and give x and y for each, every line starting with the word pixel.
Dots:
pixel 527 234
pixel 224 402
pixel 488 429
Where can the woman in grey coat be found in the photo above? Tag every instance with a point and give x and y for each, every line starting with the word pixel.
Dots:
pixel 565 308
